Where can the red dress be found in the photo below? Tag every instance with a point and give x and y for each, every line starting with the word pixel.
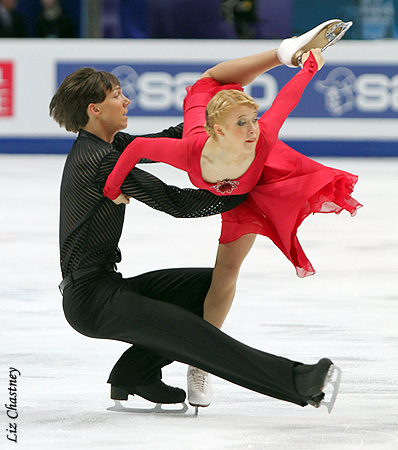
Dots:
pixel 283 185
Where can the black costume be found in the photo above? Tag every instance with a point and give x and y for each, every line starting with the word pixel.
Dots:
pixel 159 312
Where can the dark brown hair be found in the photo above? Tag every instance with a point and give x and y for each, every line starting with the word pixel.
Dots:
pixel 69 105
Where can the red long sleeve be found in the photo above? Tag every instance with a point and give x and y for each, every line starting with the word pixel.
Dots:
pixel 167 150
pixel 286 100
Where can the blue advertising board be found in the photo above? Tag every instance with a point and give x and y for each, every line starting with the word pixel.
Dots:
pixel 350 108
pixel 349 91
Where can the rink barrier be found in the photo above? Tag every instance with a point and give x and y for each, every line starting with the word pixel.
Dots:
pixel 320 148
pixel 350 108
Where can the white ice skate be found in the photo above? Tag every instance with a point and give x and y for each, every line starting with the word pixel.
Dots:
pixel 323 36
pixel 200 393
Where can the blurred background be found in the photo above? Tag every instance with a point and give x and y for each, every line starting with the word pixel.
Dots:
pixel 192 19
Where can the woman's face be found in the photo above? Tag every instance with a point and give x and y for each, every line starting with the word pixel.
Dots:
pixel 239 127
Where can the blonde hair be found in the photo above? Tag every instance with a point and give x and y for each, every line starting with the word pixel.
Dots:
pixel 222 102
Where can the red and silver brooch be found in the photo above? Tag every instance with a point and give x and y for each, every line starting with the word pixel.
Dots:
pixel 225 186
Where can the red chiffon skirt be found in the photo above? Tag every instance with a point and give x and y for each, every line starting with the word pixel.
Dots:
pixel 290 188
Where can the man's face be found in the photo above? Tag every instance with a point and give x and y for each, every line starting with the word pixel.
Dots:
pixel 113 111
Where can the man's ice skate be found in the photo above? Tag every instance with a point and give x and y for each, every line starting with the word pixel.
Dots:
pixel 157 392
pixel 323 36
pixel 313 383
pixel 157 409
pixel 333 380
pixel 200 393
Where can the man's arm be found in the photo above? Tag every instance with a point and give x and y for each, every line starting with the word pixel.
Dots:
pixel 177 202
pixel 122 140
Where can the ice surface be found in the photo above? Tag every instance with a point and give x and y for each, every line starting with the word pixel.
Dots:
pixel 348 311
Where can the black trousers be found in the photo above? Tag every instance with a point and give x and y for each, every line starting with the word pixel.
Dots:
pixel 160 313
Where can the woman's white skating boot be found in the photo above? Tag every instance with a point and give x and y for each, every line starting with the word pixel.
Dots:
pixel 322 36
pixel 199 387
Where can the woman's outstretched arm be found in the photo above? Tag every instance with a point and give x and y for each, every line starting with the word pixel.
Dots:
pixel 167 150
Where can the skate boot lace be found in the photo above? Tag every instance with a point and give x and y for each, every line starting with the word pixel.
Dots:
pixel 198 380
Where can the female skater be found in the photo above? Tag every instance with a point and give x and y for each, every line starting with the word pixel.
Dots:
pixel 237 153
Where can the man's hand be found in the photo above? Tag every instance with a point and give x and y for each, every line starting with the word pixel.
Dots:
pixel 122 199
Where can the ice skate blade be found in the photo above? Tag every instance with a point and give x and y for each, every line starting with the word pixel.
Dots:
pixel 333 380
pixel 196 413
pixel 197 405
pixel 158 409
pixel 326 38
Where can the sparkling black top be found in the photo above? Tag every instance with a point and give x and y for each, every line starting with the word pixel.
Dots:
pixel 91 224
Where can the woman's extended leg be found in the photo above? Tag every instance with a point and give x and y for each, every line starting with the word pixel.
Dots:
pixel 225 274
pixel 244 70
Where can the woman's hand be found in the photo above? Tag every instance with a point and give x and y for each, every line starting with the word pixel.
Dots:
pixel 317 55
pixel 122 199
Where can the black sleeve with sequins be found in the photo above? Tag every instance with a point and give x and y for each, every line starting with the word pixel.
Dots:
pixel 91 224
pixel 177 202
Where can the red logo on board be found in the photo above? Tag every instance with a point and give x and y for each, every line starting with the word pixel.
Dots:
pixel 6 89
